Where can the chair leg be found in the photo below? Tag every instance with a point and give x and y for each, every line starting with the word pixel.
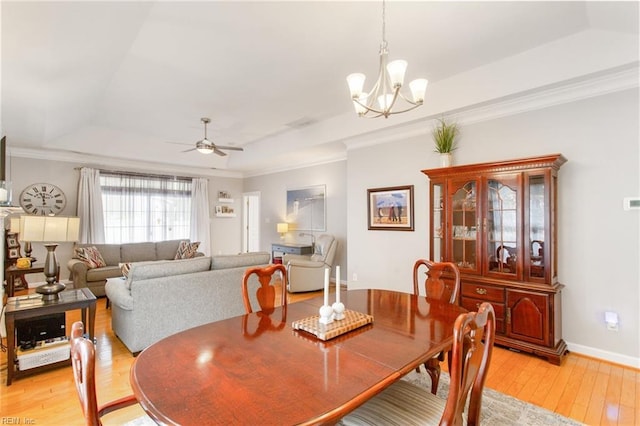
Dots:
pixel 433 369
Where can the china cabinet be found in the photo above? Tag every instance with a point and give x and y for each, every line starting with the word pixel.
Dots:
pixel 497 222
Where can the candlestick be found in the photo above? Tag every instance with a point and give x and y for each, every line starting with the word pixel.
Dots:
pixel 326 311
pixel 326 286
pixel 338 307
pixel 338 284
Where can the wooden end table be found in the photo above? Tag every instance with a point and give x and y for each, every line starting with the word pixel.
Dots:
pixel 32 306
pixel 12 272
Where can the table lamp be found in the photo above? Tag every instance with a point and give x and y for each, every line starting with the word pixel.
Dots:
pixel 50 230
pixel 282 229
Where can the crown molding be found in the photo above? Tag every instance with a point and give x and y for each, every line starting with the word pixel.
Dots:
pixel 118 163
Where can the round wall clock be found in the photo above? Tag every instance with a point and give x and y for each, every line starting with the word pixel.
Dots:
pixel 43 199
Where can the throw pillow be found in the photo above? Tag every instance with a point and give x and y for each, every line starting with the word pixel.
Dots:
pixel 125 267
pixel 91 256
pixel 187 250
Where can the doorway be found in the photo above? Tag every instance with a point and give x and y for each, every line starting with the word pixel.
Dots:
pixel 251 222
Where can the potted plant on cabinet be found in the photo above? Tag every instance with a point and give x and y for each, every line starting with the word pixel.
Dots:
pixel 445 136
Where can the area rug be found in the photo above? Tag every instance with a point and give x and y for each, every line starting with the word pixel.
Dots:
pixel 499 409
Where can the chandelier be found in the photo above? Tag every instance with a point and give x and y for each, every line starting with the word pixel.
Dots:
pixel 386 91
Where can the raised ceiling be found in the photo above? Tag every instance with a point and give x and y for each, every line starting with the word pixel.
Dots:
pixel 129 81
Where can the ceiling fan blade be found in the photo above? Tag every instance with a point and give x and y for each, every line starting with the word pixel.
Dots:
pixel 232 148
pixel 220 153
pixel 188 150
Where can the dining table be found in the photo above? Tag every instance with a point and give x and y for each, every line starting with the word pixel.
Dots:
pixel 257 369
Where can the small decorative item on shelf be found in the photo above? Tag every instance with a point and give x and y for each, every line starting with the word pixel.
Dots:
pixel 23 263
pixel 326 311
pixel 338 307
pixel 5 193
pixel 445 136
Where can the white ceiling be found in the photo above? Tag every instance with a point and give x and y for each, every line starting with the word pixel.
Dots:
pixel 130 80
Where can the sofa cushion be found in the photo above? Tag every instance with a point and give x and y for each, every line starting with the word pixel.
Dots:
pixel 90 256
pixel 100 274
pixel 138 252
pixel 166 250
pixel 164 268
pixel 110 253
pixel 187 250
pixel 239 260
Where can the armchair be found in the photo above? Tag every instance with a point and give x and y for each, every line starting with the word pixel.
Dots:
pixel 306 273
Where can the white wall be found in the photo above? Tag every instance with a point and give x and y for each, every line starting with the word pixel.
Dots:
pixel 273 187
pixel 599 248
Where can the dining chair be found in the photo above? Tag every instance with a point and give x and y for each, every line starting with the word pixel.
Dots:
pixel 405 403
pixel 436 288
pixel 266 293
pixel 83 360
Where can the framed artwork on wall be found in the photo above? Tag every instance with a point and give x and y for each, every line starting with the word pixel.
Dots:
pixel 306 208
pixel 390 209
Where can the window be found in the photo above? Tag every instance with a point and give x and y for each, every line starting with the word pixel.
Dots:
pixel 141 208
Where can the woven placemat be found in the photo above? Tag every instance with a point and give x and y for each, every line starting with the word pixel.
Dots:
pixel 351 321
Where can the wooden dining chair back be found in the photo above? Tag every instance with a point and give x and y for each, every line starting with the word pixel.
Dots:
pixel 83 361
pixel 406 403
pixel 435 286
pixel 266 292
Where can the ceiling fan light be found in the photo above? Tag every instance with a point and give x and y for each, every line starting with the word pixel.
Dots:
pixel 204 147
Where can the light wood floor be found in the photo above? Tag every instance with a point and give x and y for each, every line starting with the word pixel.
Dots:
pixel 587 390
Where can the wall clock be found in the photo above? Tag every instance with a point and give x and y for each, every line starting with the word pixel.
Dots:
pixel 42 199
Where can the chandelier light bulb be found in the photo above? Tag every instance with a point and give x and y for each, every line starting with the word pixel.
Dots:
pixel 396 70
pixel 356 83
pixel 418 89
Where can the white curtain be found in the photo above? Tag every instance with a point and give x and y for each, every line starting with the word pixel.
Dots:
pixel 90 207
pixel 200 222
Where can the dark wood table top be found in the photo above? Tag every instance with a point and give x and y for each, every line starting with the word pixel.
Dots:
pixel 255 369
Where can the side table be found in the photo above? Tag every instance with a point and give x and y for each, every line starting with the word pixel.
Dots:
pixel 289 248
pixel 32 306
pixel 12 272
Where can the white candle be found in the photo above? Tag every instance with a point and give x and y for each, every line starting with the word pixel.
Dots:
pixel 326 286
pixel 338 284
pixel 3 195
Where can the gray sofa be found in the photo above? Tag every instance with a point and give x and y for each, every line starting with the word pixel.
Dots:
pixel 159 299
pixel 113 255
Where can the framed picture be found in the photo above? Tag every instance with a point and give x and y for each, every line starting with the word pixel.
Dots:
pixel 13 253
pixel 306 208
pixel 390 209
pixel 12 240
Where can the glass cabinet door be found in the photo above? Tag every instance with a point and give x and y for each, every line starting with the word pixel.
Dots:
pixel 537 227
pixel 464 226
pixel 501 226
pixel 438 225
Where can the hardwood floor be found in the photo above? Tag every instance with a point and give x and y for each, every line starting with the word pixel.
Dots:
pixel 588 390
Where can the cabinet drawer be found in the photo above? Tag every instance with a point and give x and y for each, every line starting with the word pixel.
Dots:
pixel 484 292
pixel 471 304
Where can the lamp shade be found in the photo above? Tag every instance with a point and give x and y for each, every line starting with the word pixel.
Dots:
pixel 14 224
pixel 282 227
pixel 49 228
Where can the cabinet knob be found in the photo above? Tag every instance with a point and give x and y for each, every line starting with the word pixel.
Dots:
pixel 481 290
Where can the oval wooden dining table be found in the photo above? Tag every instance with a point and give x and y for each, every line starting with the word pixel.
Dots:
pixel 255 369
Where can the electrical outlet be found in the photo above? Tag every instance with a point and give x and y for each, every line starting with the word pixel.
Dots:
pixel 611 319
pixel 354 277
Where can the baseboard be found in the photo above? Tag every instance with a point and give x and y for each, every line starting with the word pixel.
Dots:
pixel 616 358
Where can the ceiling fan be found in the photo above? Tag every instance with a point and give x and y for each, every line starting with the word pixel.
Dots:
pixel 205 146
